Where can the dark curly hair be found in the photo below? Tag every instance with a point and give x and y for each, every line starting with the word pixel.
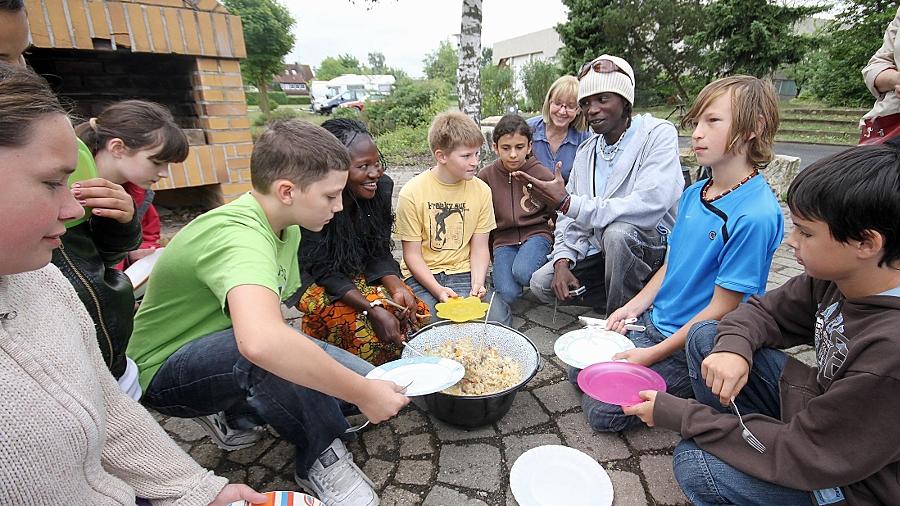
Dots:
pixel 362 230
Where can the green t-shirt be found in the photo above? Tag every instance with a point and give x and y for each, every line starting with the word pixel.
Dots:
pixel 230 246
pixel 85 169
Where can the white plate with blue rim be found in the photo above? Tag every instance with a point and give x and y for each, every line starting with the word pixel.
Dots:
pixel 590 345
pixel 552 474
pixel 424 375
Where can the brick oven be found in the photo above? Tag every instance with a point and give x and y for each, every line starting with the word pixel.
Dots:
pixel 181 53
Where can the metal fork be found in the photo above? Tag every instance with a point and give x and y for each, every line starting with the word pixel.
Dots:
pixel 745 432
pixel 366 423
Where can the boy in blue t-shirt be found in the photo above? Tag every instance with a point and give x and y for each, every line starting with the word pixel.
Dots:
pixel 721 247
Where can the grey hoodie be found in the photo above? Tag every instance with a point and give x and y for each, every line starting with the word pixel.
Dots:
pixel 642 190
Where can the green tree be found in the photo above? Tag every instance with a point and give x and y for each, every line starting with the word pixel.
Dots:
pixel 332 67
pixel 376 63
pixel 267 35
pixel 497 90
pixel 538 76
pixel 442 64
pixel 753 37
pixel 487 56
pixel 654 36
pixel 847 43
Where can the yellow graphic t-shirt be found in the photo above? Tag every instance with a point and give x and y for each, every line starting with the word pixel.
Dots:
pixel 444 217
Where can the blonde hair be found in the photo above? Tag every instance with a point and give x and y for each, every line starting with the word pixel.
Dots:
pixel 450 130
pixel 754 110
pixel 565 86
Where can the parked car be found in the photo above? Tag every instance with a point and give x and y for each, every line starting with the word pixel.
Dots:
pixel 353 97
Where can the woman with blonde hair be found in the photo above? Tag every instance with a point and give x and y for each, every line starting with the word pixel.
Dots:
pixel 560 128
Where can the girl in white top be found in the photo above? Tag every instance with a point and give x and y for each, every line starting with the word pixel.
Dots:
pixel 66 430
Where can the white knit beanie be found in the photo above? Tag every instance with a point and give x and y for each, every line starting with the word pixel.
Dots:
pixel 601 82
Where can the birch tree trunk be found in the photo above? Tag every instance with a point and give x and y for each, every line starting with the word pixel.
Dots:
pixel 469 74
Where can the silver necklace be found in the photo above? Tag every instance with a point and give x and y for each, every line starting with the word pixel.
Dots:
pixel 608 152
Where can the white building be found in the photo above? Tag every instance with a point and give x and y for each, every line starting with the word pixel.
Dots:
pixel 516 52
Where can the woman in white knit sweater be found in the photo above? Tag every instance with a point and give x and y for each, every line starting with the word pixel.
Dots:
pixel 67 433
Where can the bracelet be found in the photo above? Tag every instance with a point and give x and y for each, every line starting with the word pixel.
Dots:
pixel 372 304
pixel 563 205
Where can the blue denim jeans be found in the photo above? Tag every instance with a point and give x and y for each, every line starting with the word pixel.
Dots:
pixel 461 284
pixel 209 375
pixel 514 266
pixel 704 478
pixel 605 417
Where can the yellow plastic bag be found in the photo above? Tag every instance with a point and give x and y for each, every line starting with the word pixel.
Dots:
pixel 459 309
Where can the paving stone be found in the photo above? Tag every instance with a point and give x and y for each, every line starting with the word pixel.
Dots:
pixel 543 316
pixel 380 440
pixel 280 456
pixel 548 373
pixel 521 306
pixel 280 483
pixel 414 472
pixel 515 446
pixel 208 455
pixel 627 489
pixel 808 357
pixel 525 412
pixel 471 466
pixel 184 429
pixel 645 438
pixel 447 432
pixel 251 453
pixel 559 397
pixel 657 470
pixel 543 339
pixel 356 448
pixel 395 496
pixel 603 446
pixel 574 310
pixel 378 471
pixel 443 496
pixel 409 420
pixel 420 444
pixel 256 475
pixel 510 498
pixel 594 314
pixel 238 475
pixel 517 322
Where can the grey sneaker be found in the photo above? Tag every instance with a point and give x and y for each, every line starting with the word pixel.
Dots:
pixel 225 437
pixel 337 481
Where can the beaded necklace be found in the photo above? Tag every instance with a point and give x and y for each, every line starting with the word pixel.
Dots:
pixel 726 192
pixel 610 150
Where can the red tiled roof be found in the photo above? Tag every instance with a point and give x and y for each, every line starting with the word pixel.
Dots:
pixel 295 73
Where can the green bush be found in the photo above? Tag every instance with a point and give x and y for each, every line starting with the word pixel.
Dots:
pixel 277 97
pixel 298 99
pixel 286 113
pixel 345 112
pixel 412 104
pixel 404 146
pixel 537 77
pixel 497 92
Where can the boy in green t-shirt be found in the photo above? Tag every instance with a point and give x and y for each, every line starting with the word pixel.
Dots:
pixel 209 336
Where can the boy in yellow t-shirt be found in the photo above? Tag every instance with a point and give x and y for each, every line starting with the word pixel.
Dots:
pixel 444 218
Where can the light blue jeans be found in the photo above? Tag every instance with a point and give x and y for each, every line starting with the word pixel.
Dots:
pixel 704 478
pixel 514 266
pixel 461 284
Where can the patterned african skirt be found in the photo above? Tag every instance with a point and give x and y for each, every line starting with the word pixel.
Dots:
pixel 339 324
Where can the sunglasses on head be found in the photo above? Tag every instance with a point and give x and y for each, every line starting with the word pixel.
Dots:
pixel 601 66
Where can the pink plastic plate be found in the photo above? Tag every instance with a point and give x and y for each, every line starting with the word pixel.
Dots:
pixel 619 382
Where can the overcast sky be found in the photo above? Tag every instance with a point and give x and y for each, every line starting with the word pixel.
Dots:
pixel 405 30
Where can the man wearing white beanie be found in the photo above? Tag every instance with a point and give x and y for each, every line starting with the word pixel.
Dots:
pixel 620 202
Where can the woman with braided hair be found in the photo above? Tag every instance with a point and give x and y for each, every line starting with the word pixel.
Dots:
pixel 352 293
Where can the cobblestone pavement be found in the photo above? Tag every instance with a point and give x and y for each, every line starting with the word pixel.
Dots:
pixel 415 459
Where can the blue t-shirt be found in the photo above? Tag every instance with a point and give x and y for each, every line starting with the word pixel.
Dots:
pixel 566 152
pixel 729 242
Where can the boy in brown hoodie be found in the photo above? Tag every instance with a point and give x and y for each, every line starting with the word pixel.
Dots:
pixel 522 239
pixel 829 433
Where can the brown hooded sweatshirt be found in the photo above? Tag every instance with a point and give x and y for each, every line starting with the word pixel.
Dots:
pixel 839 421
pixel 518 216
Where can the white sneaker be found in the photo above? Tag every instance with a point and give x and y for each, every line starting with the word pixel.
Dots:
pixel 337 481
pixel 225 437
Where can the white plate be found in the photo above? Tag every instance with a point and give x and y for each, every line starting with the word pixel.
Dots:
pixel 424 375
pixel 551 475
pixel 583 347
pixel 139 272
